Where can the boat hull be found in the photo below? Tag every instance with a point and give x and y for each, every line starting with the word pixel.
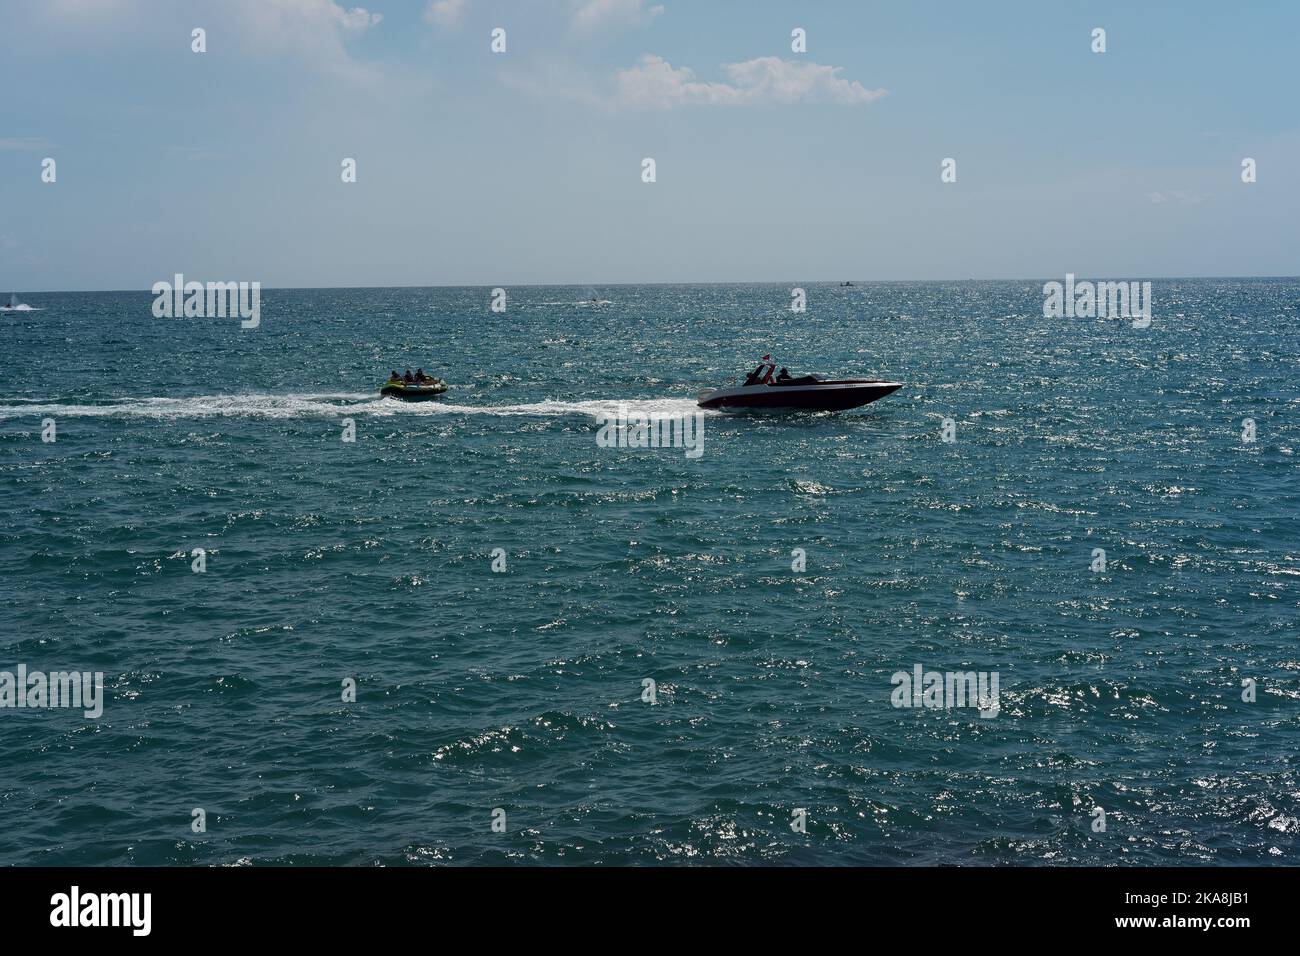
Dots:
pixel 820 397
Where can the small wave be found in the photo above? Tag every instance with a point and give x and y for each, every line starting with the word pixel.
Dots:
pixel 333 404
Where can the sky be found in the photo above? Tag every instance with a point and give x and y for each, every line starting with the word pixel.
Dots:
pixel 476 167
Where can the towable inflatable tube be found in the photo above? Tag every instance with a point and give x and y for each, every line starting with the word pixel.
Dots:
pixel 413 393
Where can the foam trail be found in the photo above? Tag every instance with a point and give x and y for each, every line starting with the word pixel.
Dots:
pixel 664 407
pixel 333 404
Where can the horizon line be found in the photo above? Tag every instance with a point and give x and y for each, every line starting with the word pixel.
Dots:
pixel 724 282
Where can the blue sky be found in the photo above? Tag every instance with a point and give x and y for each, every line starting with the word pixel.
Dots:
pixel 525 167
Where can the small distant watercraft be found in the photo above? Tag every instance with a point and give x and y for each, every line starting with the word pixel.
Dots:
pixel 411 392
pixel 846 285
pixel 14 305
pixel 763 392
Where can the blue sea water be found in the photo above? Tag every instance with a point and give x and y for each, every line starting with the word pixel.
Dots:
pixel 1120 690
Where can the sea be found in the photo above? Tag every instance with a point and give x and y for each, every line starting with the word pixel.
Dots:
pixel 335 629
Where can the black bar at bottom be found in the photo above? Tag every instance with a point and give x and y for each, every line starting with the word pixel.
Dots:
pixel 335 905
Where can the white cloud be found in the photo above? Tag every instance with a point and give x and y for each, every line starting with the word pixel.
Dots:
pixel 358 19
pixel 655 84
pixel 270 16
pixel 446 13
pixel 312 29
pixel 274 20
pixel 770 78
pixel 592 15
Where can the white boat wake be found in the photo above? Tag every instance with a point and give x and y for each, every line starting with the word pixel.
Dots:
pixel 15 306
pixel 335 404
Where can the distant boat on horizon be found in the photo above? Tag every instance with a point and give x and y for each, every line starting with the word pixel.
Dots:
pixel 14 305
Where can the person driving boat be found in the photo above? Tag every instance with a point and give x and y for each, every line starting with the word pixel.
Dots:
pixel 763 374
